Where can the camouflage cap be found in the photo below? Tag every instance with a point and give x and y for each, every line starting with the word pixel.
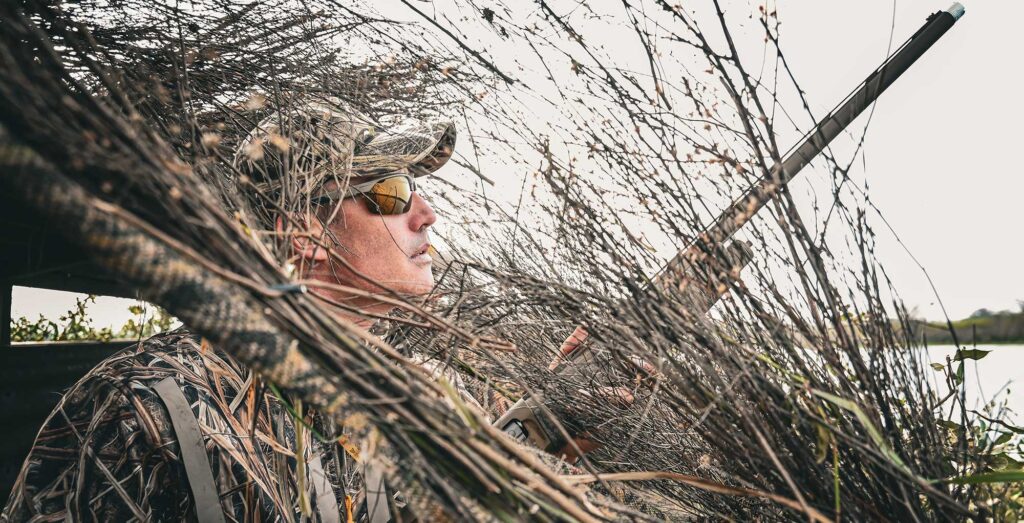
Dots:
pixel 323 140
pixel 420 147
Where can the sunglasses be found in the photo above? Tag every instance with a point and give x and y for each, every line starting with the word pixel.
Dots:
pixel 388 194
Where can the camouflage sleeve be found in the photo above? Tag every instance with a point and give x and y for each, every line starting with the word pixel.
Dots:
pixel 101 456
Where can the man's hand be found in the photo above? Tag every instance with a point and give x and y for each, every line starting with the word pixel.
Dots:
pixel 619 396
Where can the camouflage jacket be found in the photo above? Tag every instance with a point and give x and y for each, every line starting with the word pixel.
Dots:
pixel 110 451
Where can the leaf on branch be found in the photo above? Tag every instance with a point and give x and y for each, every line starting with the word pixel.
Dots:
pixel 970 354
pixel 998 476
pixel 865 421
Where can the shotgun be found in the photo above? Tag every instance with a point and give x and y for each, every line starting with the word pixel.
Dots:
pixel 700 270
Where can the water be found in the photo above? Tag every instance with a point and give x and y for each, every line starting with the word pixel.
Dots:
pixel 999 375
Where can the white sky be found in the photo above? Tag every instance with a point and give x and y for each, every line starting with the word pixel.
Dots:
pixel 938 151
pixel 941 141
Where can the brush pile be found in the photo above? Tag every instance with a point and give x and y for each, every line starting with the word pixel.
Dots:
pixel 798 396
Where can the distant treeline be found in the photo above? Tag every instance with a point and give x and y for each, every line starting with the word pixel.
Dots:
pixel 984 326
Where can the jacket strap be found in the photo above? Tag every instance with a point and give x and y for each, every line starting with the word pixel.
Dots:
pixel 326 503
pixel 378 502
pixel 193 452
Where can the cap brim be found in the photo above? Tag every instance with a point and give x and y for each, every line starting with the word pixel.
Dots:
pixel 419 147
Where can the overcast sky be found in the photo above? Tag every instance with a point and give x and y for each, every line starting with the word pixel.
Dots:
pixel 939 150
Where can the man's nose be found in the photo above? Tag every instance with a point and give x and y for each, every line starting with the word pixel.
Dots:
pixel 421 215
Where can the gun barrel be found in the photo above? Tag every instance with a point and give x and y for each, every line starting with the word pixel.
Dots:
pixel 869 90
pixel 744 208
pixel 526 420
pixel 956 10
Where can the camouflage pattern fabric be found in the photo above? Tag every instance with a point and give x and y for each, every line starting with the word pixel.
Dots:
pixel 109 452
pixel 323 138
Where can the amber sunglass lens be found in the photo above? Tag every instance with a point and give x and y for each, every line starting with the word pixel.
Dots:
pixel 391 196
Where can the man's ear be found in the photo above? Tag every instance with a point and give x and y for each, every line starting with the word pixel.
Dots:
pixel 303 233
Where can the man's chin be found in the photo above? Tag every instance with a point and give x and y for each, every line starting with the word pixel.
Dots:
pixel 418 284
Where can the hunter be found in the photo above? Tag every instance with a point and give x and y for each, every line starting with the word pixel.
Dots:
pixel 175 430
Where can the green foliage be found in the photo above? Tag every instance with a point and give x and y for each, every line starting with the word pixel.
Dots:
pixel 76 325
pixel 999 476
pixel 994 453
pixel 970 354
pixel 143 325
pixel 983 326
pixel 993 457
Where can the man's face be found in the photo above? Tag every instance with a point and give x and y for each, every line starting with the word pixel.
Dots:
pixel 390 250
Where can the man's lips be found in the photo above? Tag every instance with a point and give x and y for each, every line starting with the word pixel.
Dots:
pixel 421 254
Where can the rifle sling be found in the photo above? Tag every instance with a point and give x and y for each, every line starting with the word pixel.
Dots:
pixel 378 509
pixel 193 452
pixel 200 474
pixel 326 503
